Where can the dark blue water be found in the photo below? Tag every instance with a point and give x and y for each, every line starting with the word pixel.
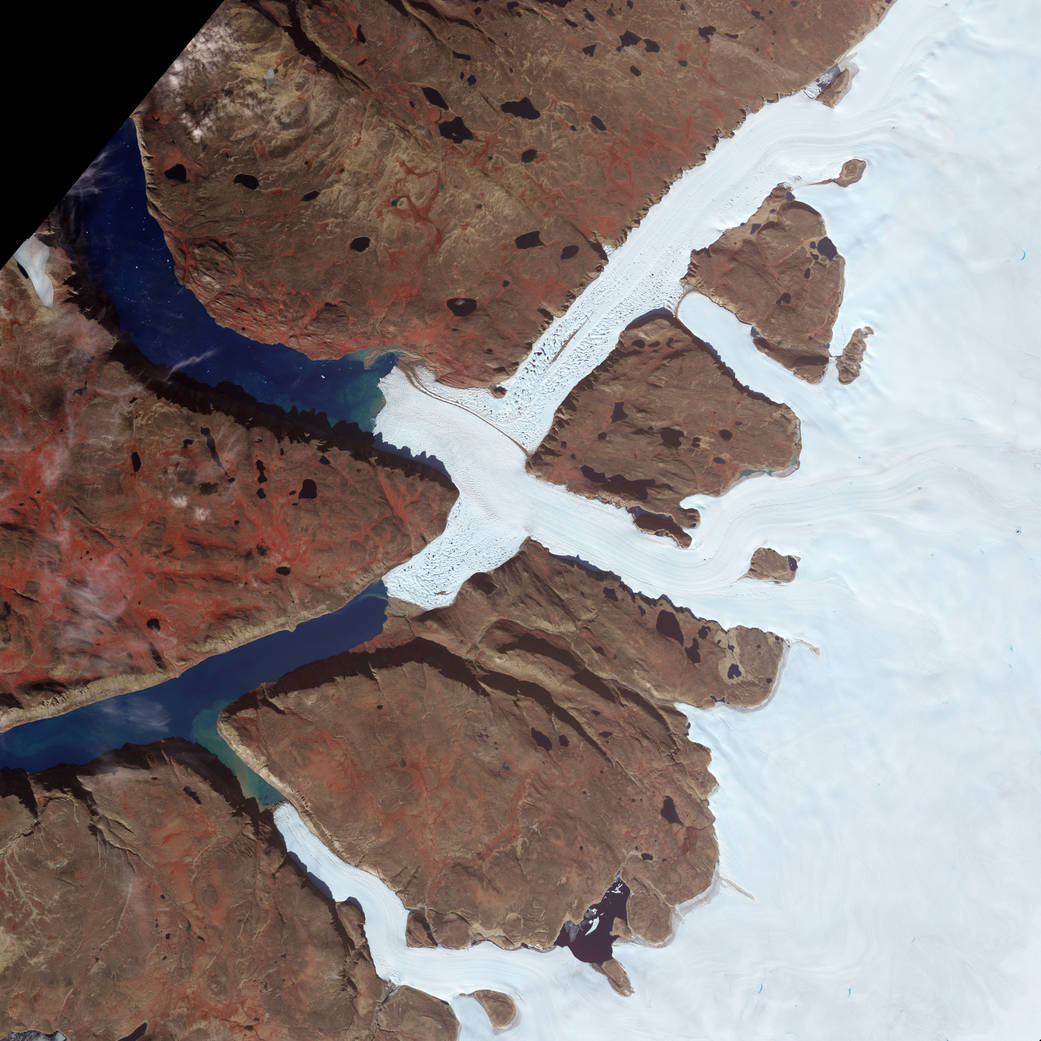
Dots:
pixel 189 705
pixel 127 258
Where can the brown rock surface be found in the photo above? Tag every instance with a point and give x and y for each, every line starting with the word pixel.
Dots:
pixel 663 418
pixel 144 889
pixel 498 766
pixel 439 176
pixel 769 565
pixel 500 1007
pixel 852 355
pixel 417 931
pixel 147 521
pixel 780 273
pixel 851 172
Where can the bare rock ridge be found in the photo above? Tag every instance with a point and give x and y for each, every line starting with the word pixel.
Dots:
pixel 781 274
pixel 852 356
pixel 545 697
pixel 446 173
pixel 851 172
pixel 616 976
pixel 147 521
pixel 500 1007
pixel 835 84
pixel 662 418
pixel 661 651
pixel 143 896
pixel 408 1014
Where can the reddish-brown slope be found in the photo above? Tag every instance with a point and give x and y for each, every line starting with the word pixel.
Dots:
pixel 500 761
pixel 439 176
pixel 497 804
pixel 143 526
pixel 144 890
pixel 852 356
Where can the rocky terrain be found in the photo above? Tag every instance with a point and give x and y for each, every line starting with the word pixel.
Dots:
pixel 852 356
pixel 501 762
pixel 781 274
pixel 141 896
pixel 851 172
pixel 439 179
pixel 500 1007
pixel 770 566
pixel 663 418
pixel 147 522
pixel 835 84
pixel 495 806
pixel 446 173
pixel 661 651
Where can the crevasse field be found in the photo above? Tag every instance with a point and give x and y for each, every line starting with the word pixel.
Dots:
pixel 880 817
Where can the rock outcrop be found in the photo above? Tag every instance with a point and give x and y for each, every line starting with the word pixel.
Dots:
pixel 770 566
pixel 500 1007
pixel 663 418
pixel 780 273
pixel 851 172
pixel 852 356
pixel 835 84
pixel 147 521
pixel 440 177
pixel 504 761
pixel 141 896
pixel 499 804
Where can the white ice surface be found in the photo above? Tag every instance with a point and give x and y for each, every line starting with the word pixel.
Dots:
pixel 32 254
pixel 883 809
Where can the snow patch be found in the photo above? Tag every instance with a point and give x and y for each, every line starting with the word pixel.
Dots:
pixel 33 255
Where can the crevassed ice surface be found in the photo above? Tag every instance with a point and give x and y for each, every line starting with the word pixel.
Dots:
pixel 882 811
